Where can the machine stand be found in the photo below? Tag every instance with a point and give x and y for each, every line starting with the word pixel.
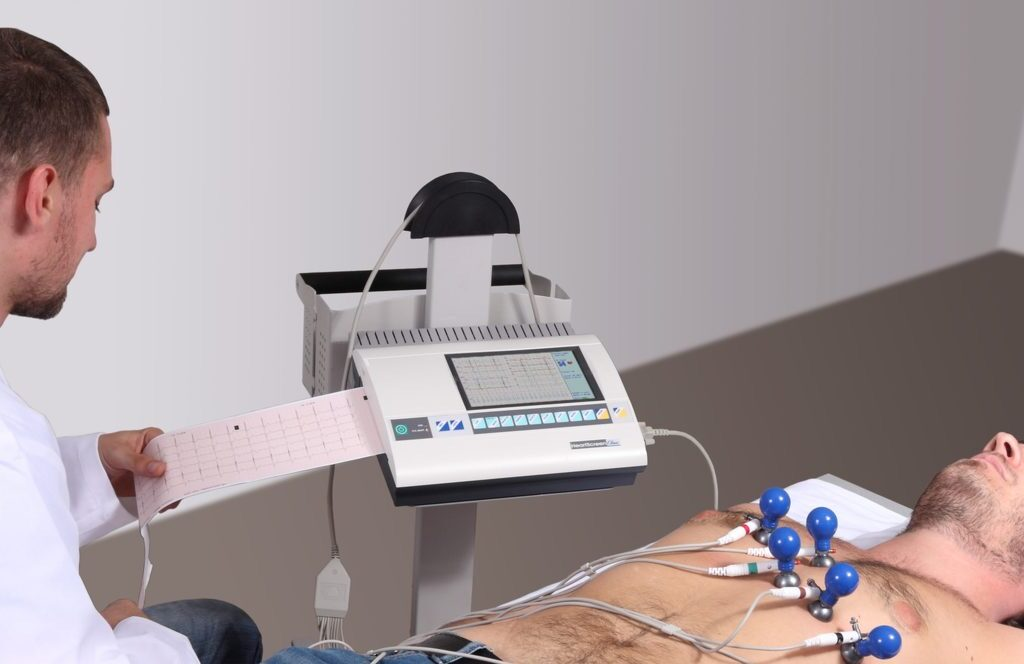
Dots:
pixel 458 288
pixel 442 574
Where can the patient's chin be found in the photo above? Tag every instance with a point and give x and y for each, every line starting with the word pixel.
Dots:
pixel 961 504
pixel 958 501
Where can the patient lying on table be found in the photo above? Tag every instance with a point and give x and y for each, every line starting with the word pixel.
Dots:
pixel 946 584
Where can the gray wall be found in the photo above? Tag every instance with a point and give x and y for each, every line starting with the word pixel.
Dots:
pixel 882 390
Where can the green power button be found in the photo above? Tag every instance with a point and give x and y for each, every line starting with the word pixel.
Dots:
pixel 401 429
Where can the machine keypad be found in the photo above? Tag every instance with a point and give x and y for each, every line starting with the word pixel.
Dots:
pixel 495 422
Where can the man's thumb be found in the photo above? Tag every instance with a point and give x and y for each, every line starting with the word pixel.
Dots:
pixel 148 466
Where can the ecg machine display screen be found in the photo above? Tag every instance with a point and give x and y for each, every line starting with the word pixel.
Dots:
pixel 551 375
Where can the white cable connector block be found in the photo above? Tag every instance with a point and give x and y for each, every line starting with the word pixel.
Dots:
pixel 672 630
pixel 832 639
pixel 333 585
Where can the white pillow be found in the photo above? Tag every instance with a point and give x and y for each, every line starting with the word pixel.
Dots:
pixel 865 518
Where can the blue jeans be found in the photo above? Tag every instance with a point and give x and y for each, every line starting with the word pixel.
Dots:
pixel 220 633
pixel 341 656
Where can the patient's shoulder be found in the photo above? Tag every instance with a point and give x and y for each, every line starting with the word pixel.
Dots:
pixel 736 515
pixel 704 526
pixel 745 508
pixel 731 517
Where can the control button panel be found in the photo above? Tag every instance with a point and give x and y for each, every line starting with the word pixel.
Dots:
pixel 523 420
pixel 411 428
pixel 444 426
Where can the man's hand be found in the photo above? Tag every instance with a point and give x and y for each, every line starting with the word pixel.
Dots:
pixel 120 609
pixel 123 456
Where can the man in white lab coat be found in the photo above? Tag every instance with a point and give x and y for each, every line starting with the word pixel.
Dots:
pixel 58 494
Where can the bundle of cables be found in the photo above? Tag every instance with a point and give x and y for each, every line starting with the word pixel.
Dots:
pixel 333 582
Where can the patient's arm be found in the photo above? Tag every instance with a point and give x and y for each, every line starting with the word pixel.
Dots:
pixel 1004 644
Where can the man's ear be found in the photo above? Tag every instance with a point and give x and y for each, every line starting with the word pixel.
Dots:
pixel 40 198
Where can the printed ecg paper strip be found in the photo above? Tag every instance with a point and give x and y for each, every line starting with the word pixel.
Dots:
pixel 325 430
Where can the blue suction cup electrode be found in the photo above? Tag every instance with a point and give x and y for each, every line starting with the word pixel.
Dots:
pixel 883 642
pixel 784 544
pixel 841 580
pixel 774 505
pixel 822 524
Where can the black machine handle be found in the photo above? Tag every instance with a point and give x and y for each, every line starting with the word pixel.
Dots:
pixel 451 205
pixel 460 204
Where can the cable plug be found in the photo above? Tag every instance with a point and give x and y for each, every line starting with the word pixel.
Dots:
pixel 797 592
pixel 745 569
pixel 333 586
pixel 671 630
pixel 648 433
pixel 832 639
pixel 765 552
pixel 739 533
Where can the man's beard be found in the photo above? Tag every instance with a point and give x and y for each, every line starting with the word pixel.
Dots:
pixel 36 296
pixel 960 504
pixel 39 304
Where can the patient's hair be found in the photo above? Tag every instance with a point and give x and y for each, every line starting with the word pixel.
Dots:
pixel 50 109
pixel 584 635
pixel 890 582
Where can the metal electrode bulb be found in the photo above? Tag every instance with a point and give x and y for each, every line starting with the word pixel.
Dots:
pixel 784 544
pixel 774 505
pixel 883 642
pixel 822 525
pixel 841 580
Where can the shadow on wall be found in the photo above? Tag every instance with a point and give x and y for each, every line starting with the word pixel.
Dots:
pixel 882 390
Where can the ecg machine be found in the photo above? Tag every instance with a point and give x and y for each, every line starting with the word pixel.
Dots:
pixel 479 390
pixel 497 418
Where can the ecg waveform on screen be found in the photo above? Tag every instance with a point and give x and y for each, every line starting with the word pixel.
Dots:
pixel 491 380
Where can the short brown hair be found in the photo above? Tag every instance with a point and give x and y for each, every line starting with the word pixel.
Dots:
pixel 50 108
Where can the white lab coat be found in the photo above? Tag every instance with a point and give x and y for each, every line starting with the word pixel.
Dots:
pixel 54 498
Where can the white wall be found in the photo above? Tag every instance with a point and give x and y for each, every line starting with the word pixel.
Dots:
pixel 685 170
pixel 1011 236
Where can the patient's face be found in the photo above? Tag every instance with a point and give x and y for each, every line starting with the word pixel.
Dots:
pixel 980 503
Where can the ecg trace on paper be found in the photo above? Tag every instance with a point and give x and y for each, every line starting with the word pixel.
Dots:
pixel 266 443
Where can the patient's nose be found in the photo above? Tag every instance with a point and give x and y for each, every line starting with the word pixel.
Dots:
pixel 1006 445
